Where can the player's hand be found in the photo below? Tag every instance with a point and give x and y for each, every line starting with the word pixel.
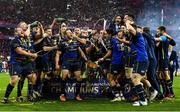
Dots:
pixel 55 20
pixel 94 31
pixel 57 67
pixel 55 47
pixel 45 49
pixel 74 35
pixel 34 55
pixel 171 62
pixel 168 36
pixel 100 59
pixel 127 21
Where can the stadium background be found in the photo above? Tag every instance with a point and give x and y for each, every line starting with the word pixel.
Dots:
pixel 85 14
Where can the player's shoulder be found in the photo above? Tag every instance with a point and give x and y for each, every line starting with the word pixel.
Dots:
pixel 46 39
pixel 15 40
pixel 163 38
pixel 57 35
pixel 114 39
pixel 75 41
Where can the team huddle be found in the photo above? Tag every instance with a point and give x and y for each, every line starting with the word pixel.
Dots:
pixel 122 53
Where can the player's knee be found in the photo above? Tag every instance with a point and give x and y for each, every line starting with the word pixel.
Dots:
pixel 128 72
pixel 110 77
pixel 136 81
pixel 33 80
pixel 166 75
pixel 14 80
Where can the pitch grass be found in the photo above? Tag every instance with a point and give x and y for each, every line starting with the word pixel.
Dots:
pixel 85 105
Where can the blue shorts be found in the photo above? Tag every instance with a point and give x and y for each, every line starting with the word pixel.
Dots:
pixel 163 65
pixel 21 69
pixel 140 68
pixel 105 65
pixel 39 64
pixel 47 66
pixel 71 66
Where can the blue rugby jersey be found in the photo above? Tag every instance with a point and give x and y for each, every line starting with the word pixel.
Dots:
pixel 49 43
pixel 117 53
pixel 14 56
pixel 163 49
pixel 69 49
pixel 138 45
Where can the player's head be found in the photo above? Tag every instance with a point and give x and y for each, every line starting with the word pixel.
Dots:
pixel 121 34
pixel 118 19
pixel 161 30
pixel 96 35
pixel 23 25
pixel 129 17
pixel 48 31
pixel 63 28
pixel 140 29
pixel 77 31
pixel 63 25
pixel 124 28
pixel 108 33
pixel 69 33
pixel 84 33
pixel 101 33
pixel 146 30
pixel 19 32
pixel 37 31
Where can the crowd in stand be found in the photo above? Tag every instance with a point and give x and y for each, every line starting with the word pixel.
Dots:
pixel 87 12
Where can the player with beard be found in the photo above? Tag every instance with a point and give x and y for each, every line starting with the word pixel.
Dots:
pixel 141 61
pixel 48 57
pixel 116 24
pixel 93 50
pixel 163 42
pixel 62 28
pixel 79 34
pixel 117 67
pixel 20 60
pixel 77 31
pixel 37 38
pixel 93 53
pixel 70 52
pixel 130 57
pixel 58 37
pixel 103 45
pixel 31 87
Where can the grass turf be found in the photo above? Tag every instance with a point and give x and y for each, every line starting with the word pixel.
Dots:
pixel 85 105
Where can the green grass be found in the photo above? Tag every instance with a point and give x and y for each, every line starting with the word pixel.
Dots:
pixel 86 105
